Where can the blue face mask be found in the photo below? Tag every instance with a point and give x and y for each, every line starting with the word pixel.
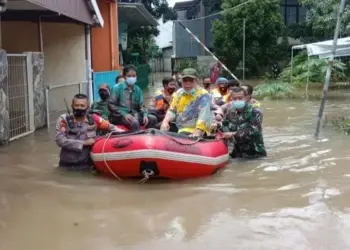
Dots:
pixel 238 104
pixel 190 92
pixel 131 80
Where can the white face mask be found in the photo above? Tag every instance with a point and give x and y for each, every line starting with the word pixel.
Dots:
pixel 131 80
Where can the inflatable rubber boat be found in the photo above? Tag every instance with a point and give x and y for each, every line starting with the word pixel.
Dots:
pixel 153 153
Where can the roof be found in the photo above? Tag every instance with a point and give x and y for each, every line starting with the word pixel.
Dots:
pixel 167 47
pixel 184 5
pixel 324 49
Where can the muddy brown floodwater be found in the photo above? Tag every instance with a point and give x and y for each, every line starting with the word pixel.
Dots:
pixel 296 198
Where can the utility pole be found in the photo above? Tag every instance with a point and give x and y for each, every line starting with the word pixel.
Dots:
pixel 330 66
pixel 243 54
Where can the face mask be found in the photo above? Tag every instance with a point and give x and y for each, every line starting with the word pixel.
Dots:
pixel 190 92
pixel 79 112
pixel 130 80
pixel 171 90
pixel 103 94
pixel 223 90
pixel 238 104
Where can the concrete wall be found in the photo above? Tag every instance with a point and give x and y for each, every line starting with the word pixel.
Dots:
pixel 64 48
pixel 64 56
pixel 167 53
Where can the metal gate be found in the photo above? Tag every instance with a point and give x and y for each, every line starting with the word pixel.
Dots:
pixel 20 96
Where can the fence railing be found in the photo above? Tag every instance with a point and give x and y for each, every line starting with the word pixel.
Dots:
pixel 58 95
pixel 20 95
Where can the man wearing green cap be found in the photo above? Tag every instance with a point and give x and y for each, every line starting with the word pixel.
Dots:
pixel 190 107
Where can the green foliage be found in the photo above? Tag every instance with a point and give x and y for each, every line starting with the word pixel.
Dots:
pixel 184 63
pixel 322 17
pixel 264 26
pixel 341 124
pixel 314 68
pixel 274 90
pixel 142 39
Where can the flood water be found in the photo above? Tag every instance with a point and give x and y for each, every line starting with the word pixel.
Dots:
pixel 296 198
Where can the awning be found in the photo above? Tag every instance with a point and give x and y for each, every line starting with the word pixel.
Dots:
pixel 85 11
pixel 135 15
pixel 323 49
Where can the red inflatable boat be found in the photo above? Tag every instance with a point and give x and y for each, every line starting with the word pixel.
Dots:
pixel 153 153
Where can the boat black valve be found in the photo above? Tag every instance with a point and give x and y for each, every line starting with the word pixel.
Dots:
pixel 149 167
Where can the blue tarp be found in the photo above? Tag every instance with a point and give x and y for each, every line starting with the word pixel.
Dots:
pixel 103 77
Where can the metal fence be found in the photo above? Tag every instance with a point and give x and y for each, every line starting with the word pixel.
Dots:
pixel 20 96
pixel 56 95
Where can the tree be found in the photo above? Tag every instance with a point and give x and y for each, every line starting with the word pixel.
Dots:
pixel 322 17
pixel 142 39
pixel 264 25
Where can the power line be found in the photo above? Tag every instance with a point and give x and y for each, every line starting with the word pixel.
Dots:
pixel 217 13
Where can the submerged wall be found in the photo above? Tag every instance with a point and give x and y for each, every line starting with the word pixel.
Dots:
pixel 38 89
pixel 4 114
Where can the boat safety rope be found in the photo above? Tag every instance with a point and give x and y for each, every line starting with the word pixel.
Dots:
pixel 147 174
pixel 104 157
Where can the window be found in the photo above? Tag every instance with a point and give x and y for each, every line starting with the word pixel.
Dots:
pixel 302 14
pixel 291 15
pixel 292 12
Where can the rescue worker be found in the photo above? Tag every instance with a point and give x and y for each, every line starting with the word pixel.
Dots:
pixel 101 107
pixel 126 103
pixel 242 123
pixel 190 107
pixel 221 93
pixel 75 134
pixel 249 89
pixel 207 84
pixel 161 101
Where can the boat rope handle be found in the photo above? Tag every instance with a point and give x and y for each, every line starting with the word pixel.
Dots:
pixel 147 173
pixel 104 156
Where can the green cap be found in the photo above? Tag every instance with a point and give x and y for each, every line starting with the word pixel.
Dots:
pixel 190 73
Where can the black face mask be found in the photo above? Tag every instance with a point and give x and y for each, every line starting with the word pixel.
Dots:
pixel 171 90
pixel 223 90
pixel 79 112
pixel 103 94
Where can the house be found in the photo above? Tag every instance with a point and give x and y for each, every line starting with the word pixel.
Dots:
pixel 109 43
pixel 190 13
pixel 167 54
pixel 44 50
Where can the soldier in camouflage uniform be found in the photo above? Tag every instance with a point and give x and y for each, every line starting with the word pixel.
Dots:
pixel 101 107
pixel 242 123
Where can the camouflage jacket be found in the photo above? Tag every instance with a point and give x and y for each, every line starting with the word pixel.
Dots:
pixel 248 139
pixel 101 108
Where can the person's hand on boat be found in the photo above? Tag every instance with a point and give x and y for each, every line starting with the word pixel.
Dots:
pixel 145 120
pixel 228 135
pixel 165 126
pixel 214 126
pixel 89 142
pixel 129 118
pixel 196 133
